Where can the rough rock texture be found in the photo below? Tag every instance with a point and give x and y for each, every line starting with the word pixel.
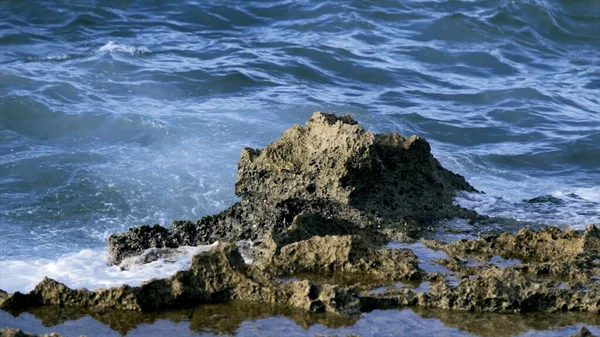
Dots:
pixel 569 282
pixel 549 244
pixel 340 254
pixel 221 275
pixel 215 276
pixel 335 158
pixel 331 168
pixel 508 290
pixel 494 290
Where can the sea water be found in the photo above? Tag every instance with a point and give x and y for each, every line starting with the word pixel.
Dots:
pixel 116 114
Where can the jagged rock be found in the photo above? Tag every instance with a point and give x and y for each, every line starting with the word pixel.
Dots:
pixel 332 168
pixel 215 276
pixel 549 244
pixel 508 290
pixel 335 158
pixel 340 254
pixel 137 240
pixel 495 290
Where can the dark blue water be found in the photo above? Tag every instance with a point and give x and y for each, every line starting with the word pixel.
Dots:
pixel 119 113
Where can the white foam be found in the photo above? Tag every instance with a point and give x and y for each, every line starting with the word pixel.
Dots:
pixel 589 193
pixel 58 57
pixel 90 269
pixel 121 48
pixel 578 207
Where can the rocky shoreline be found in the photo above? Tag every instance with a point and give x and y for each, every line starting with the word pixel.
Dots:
pixel 319 205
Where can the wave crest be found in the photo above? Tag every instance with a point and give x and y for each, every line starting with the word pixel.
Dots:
pixel 122 48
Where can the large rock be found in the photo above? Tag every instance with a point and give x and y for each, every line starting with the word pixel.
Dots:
pixel 358 181
pixel 335 158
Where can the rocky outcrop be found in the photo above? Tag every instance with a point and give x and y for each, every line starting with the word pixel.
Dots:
pixel 215 276
pixel 359 182
pixel 549 244
pixel 321 201
pixel 221 274
pixel 540 283
pixel 349 255
pixel 331 157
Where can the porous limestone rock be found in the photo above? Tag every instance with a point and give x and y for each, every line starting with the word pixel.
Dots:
pixel 214 277
pixel 349 255
pixel 332 157
pixel 331 168
pixel 549 244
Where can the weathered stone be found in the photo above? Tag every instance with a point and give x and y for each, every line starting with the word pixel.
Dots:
pixel 137 240
pixel 508 290
pixel 496 290
pixel 345 177
pixel 549 244
pixel 214 277
pixel 335 158
pixel 340 254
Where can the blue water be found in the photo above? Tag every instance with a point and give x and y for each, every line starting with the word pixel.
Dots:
pixel 121 113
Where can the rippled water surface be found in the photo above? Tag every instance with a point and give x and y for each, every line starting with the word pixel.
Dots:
pixel 120 113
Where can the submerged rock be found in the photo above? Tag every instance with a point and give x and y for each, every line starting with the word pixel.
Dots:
pixel 360 182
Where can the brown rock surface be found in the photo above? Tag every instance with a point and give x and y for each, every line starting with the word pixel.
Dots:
pixel 335 158
pixel 215 276
pixel 340 254
pixel 549 244
pixel 331 168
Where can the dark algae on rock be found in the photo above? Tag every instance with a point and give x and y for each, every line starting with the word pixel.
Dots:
pixel 320 204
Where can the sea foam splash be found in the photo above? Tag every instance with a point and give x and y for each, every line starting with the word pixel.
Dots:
pixel 573 209
pixel 90 269
pixel 121 48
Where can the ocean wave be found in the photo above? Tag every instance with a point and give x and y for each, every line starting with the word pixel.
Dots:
pixel 112 47
pixel 90 269
pixel 575 208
